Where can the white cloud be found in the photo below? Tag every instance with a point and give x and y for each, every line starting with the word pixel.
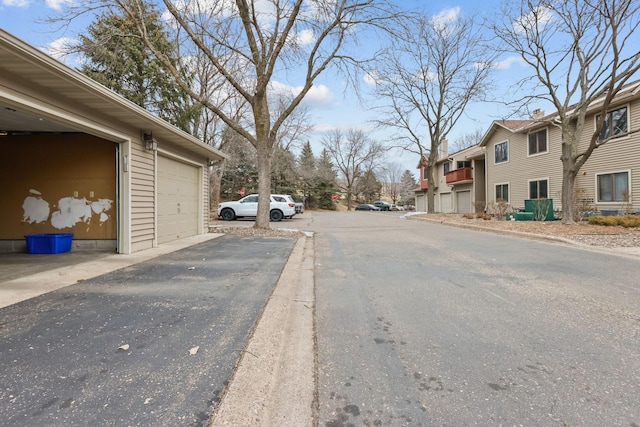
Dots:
pixel 445 18
pixel 16 3
pixel 319 96
pixel 52 4
pixel 325 128
pixel 425 75
pixel 506 63
pixel 57 4
pixel 305 37
pixel 59 48
pixel 193 7
pixel 372 78
pixel 539 16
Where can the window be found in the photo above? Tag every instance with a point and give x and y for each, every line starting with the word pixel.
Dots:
pixel 502 152
pixel 446 167
pixel 425 173
pixel 464 164
pixel 538 142
pixel 539 189
pixel 613 187
pixel 615 123
pixel 502 192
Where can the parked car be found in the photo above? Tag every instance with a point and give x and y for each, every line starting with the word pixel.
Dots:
pixel 281 206
pixel 299 208
pixel 384 206
pixel 396 208
pixel 367 207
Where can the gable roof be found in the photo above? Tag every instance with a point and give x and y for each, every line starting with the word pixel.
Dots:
pixel 512 126
pixel 34 87
pixel 628 92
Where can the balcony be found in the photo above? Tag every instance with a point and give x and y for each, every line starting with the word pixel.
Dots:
pixel 460 176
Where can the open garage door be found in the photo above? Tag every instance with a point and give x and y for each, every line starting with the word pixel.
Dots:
pixel 178 200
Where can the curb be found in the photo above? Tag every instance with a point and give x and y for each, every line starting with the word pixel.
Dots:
pixel 274 383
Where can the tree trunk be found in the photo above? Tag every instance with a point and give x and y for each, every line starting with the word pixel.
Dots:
pixel 431 208
pixel 568 182
pixel 264 185
pixel 431 172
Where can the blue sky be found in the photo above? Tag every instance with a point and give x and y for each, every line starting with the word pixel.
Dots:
pixel 330 105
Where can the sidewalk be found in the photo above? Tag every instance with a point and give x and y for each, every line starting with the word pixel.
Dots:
pixel 24 276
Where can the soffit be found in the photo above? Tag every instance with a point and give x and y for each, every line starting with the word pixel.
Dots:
pixel 33 72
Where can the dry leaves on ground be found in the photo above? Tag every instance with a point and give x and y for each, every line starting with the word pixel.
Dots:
pixel 249 231
pixel 583 232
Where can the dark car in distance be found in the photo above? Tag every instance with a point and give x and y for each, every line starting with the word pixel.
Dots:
pixel 367 207
pixel 383 206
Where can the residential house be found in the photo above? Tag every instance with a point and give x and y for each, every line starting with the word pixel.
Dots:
pixel 79 158
pixel 523 159
pixel 460 181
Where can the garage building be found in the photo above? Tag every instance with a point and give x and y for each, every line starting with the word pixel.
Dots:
pixel 79 158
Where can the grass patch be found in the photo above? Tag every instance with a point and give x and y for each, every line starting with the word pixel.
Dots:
pixel 629 221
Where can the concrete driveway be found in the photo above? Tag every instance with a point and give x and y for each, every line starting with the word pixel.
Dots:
pixel 153 342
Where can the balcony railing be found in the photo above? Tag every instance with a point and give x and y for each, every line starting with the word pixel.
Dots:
pixel 460 176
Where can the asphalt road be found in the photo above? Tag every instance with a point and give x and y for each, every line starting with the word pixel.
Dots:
pixel 420 324
pixel 154 344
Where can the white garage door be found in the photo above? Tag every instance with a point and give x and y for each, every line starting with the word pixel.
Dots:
pixel 178 200
pixel 445 203
pixel 421 203
pixel 463 199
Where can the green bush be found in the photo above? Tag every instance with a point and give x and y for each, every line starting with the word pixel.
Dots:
pixel 628 221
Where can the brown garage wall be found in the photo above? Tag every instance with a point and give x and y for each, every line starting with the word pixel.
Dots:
pixel 58 183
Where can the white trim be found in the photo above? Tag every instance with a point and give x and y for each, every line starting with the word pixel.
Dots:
pixel 529 181
pixel 506 141
pixel 124 202
pixel 55 114
pixel 495 184
pixel 625 135
pixel 175 156
pixel 202 171
pixel 613 202
pixel 539 153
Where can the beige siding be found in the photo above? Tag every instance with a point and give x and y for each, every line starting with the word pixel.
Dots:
pixel 620 155
pixel 522 168
pixel 615 156
pixel 142 198
pixel 478 193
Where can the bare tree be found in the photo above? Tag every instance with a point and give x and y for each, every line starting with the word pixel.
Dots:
pixel 247 43
pixel 428 78
pixel 582 53
pixel 392 174
pixel 466 140
pixel 353 155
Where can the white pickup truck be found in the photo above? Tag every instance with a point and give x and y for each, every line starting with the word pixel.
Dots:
pixel 282 206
